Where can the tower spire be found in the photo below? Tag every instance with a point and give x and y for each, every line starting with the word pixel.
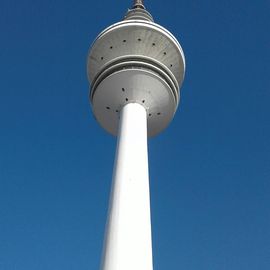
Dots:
pixel 138 12
pixel 138 4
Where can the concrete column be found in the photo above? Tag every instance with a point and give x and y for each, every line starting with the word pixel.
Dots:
pixel 128 244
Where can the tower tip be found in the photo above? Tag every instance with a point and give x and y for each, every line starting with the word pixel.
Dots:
pixel 138 4
pixel 138 12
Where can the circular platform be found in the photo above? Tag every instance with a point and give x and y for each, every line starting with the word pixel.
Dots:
pixel 135 61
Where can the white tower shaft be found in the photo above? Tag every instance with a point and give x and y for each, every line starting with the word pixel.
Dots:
pixel 128 244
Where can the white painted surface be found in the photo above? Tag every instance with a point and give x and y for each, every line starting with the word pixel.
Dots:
pixel 142 38
pixel 127 243
pixel 147 61
pixel 134 85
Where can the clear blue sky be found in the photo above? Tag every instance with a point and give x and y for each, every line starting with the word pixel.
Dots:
pixel 210 170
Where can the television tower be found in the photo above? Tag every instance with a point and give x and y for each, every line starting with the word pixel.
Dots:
pixel 136 68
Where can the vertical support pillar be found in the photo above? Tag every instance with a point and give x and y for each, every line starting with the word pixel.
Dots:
pixel 128 244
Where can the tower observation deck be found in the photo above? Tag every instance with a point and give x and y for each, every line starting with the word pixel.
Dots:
pixel 136 68
pixel 135 61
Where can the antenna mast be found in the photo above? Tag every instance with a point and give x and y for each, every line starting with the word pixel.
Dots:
pixel 138 4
